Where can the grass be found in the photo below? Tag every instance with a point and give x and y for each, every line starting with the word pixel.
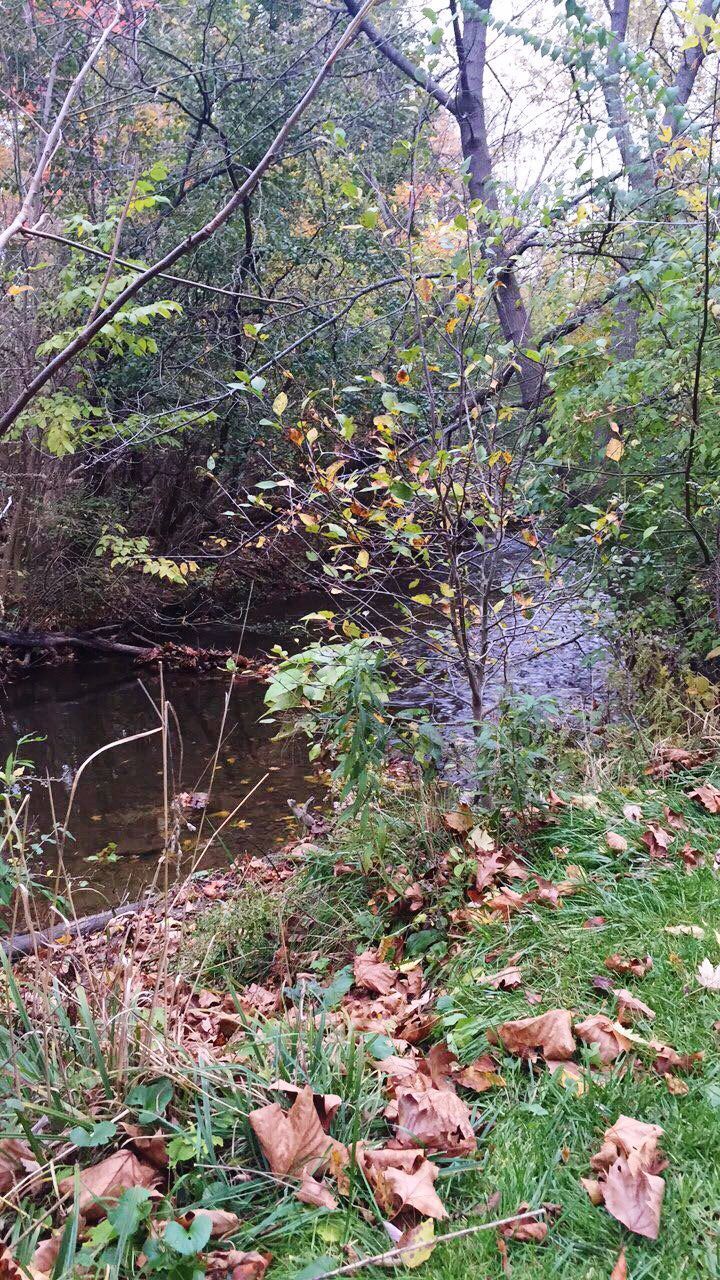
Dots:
pixel 68 1061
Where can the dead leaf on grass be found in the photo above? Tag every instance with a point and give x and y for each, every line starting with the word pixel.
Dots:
pixel 436 1119
pixel 632 812
pixel 708 795
pixel 550 1033
pixel 294 1140
pixel 373 974
pixel 691 930
pixel 615 842
pixel 504 980
pixel 459 820
pixel 631 965
pixel 628 1165
pixel 237 1265
pixel 629 1007
pixel 315 1193
pixel 708 975
pixel 400 1180
pixel 657 839
pixel 102 1184
pixel 601 1033
pixel 16 1163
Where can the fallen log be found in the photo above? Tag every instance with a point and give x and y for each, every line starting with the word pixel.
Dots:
pixel 24 944
pixel 63 640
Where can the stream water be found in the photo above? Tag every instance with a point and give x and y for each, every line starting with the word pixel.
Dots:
pixel 118 813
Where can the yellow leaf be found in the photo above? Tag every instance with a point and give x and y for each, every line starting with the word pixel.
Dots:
pixel 425 289
pixel 363 559
pixel 452 322
pixel 280 404
pixel 614 449
pixel 15 289
pixel 402 377
pixel 422 599
pixel 423 1234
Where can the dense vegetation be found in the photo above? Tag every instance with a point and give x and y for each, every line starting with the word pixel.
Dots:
pixel 405 316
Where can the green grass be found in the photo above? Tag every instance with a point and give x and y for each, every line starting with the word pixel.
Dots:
pixel 535 1134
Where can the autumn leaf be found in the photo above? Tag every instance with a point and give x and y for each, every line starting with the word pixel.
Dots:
pixel 614 449
pixel 102 1184
pixel 657 839
pixel 708 975
pixel 425 289
pixel 373 974
pixel 315 1193
pixel 628 1165
pixel 293 1141
pixel 632 812
pixel 633 965
pixel 436 1119
pixel 708 795
pixel 604 1035
pixel 550 1033
pixel 629 1007
pixel 460 820
pixel 402 377
pixel 615 842
pixel 280 404
pixel 419 1243
pixel 16 1163
pixel 402 1179
pixel 620 1271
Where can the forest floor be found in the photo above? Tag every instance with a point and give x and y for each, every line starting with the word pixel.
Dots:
pixel 411 1028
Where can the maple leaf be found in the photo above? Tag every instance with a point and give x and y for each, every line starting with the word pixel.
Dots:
pixel 550 1032
pixel 402 1179
pixel 601 1033
pixel 373 974
pixel 293 1141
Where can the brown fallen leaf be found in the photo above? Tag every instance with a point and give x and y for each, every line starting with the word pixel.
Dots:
pixel 657 839
pixel 708 795
pixel 629 1007
pixel 632 965
pixel 459 820
pixel 505 902
pixel 667 759
pixel 373 974
pixel 550 1033
pixel 222 1222
pixel 45 1255
pixel 691 857
pixel 293 1141
pixel 401 1179
pixel 674 819
pixel 615 842
pixel 601 1033
pixel 480 1075
pixel 668 1059
pixel 488 869
pixel 326 1104
pixel 527 1231
pixel 632 812
pixel 315 1193
pixel 102 1184
pixel 628 1165
pixel 152 1147
pixel 436 1119
pixel 17 1162
pixel 504 980
pixel 237 1265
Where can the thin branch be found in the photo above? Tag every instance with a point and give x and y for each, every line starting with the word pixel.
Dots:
pixel 54 137
pixel 192 241
pixel 398 59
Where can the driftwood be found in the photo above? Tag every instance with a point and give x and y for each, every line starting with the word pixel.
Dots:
pixel 24 944
pixel 60 640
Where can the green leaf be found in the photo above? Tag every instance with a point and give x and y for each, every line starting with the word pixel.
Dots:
pixel 188 1243
pixel 316 1268
pixel 97 1136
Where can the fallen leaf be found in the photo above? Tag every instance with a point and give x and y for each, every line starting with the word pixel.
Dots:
pixel 629 1007
pixel 293 1141
pixel 315 1193
pixel 505 979
pixel 692 930
pixel 667 759
pixel 421 1239
pixel 657 839
pixel 16 1163
pixel 152 1147
pixel 326 1104
pixel 459 820
pixel 487 870
pixel 373 974
pixel 436 1119
pixel 633 966
pixel 708 975
pixel 708 795
pixel 674 819
pixel 632 812
pixel 102 1184
pixel 628 1165
pixel 526 1231
pixel 45 1255
pixel 236 1265
pixel 615 842
pixel 594 922
pixel 691 857
pixel 480 1075
pixel 222 1222
pixel 680 1088
pixel 549 1032
pixel 668 1059
pixel 601 1033
pixel 401 1179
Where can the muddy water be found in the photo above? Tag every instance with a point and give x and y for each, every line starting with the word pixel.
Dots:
pixel 118 816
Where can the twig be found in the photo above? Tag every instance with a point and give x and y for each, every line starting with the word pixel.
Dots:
pixel 382 1259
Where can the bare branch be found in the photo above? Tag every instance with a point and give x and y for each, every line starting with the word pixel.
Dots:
pixel 398 59
pixel 196 238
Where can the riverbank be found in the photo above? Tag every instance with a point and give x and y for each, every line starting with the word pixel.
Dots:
pixel 449 1012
